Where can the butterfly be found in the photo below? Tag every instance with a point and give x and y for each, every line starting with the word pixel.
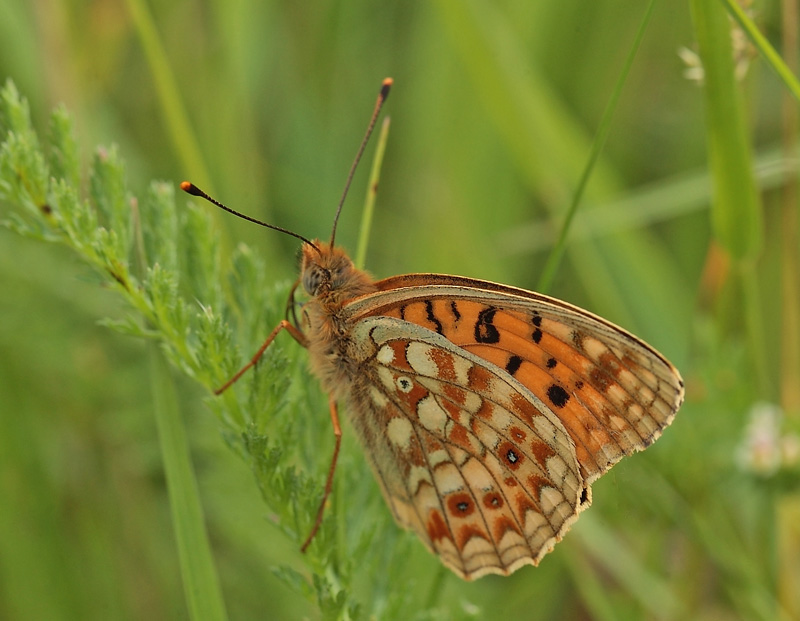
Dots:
pixel 485 411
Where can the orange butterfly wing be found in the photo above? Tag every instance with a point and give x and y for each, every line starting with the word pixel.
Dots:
pixel 490 410
pixel 613 392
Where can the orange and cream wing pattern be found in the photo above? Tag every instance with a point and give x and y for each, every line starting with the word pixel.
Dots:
pixel 468 458
pixel 499 407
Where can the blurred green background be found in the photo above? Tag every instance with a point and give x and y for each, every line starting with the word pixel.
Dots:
pixel 493 112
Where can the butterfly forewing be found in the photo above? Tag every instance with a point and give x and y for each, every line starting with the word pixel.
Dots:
pixel 613 393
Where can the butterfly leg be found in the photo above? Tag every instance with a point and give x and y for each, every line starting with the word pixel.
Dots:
pixel 337 431
pixel 283 325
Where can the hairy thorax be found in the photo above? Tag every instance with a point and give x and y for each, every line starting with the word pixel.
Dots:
pixel 331 279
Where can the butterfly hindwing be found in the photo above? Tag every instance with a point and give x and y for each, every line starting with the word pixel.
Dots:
pixel 477 465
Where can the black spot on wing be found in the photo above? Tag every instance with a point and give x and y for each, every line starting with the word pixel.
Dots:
pixel 513 364
pixel 485 330
pixel 537 335
pixel 454 310
pixel 557 395
pixel 437 325
pixel 551 363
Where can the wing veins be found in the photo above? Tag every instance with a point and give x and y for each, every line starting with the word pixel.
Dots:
pixel 498 486
pixel 589 451
pixel 416 427
pixel 507 438
pixel 449 445
pixel 612 340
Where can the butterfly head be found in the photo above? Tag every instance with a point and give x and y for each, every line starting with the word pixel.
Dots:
pixel 328 273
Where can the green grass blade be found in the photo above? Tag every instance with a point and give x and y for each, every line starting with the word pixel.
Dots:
pixel 767 51
pixel 200 581
pixel 736 210
pixel 176 119
pixel 555 256
pixel 548 145
pixel 652 592
pixel 372 193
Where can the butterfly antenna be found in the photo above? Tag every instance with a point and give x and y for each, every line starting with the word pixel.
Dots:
pixel 191 188
pixel 387 84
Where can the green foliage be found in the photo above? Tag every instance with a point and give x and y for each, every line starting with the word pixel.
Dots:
pixel 494 114
pixel 195 338
pixel 736 211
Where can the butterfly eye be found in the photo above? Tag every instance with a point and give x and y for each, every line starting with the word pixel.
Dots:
pixel 337 277
pixel 313 278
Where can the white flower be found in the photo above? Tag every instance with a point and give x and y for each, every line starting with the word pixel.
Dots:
pixel 760 451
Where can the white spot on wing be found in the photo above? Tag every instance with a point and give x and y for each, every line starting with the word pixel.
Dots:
pixel 477 475
pixel 556 468
pixel 437 457
pixel 459 456
pixel 501 391
pixel 550 498
pixel 387 378
pixel 448 479
pixel 385 355
pixel 461 367
pixel 419 359
pixel 501 418
pixel 473 402
pixel 417 475
pixel 544 428
pixel 478 546
pixel 512 546
pixel 593 347
pixel 487 436
pixel 399 432
pixel 432 417
pixel 534 521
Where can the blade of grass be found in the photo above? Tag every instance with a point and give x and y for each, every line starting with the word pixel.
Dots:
pixel 736 209
pixel 788 510
pixel 372 193
pixel 651 591
pixel 790 232
pixel 591 587
pixel 763 46
pixel 666 200
pixel 736 216
pixel 201 584
pixel 556 254
pixel 549 145
pixel 176 119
